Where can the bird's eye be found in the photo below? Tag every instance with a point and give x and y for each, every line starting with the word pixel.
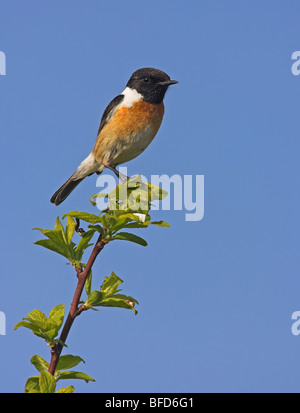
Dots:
pixel 146 79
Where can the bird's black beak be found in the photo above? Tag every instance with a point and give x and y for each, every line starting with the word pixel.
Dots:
pixel 168 82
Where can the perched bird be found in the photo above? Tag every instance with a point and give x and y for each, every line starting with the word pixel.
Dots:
pixel 127 127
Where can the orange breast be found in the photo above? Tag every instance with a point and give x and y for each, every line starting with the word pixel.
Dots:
pixel 126 123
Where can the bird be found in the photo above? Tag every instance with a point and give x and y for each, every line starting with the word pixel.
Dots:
pixel 128 125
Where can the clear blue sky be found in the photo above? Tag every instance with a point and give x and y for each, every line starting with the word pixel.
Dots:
pixel 216 296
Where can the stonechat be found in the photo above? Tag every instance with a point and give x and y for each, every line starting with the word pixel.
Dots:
pixel 128 125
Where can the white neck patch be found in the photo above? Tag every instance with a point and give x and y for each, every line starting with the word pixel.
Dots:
pixel 130 96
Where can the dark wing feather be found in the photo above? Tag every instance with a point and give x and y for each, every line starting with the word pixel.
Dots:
pixel 109 111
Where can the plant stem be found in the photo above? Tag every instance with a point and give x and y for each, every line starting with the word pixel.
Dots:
pixel 82 276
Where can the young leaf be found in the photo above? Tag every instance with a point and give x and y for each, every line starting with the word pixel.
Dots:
pixel 56 247
pixel 137 225
pixel 74 375
pixel 84 216
pixel 160 223
pixel 39 363
pixel 57 236
pixel 68 361
pixel 49 335
pixel 88 283
pixel 32 384
pixel 47 382
pixel 110 284
pixel 58 226
pixel 56 315
pixel 116 301
pixel 94 299
pixel 83 244
pixel 68 389
pixel 41 326
pixel 97 228
pixel 126 236
pixel 108 221
pixel 100 195
pixel 35 329
pixel 109 297
pixel 38 317
pixel 70 229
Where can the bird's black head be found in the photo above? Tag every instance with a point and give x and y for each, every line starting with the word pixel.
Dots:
pixel 151 83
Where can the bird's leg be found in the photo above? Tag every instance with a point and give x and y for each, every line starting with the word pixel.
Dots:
pixel 123 178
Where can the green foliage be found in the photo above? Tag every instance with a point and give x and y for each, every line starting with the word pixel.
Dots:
pixel 108 296
pixel 128 207
pixel 60 241
pixel 41 326
pixel 46 383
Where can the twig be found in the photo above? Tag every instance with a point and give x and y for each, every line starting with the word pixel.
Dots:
pixel 74 310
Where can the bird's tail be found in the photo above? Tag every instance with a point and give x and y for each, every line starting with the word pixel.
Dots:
pixel 64 191
pixel 87 167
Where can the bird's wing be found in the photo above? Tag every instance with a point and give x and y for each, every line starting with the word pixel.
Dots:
pixel 109 111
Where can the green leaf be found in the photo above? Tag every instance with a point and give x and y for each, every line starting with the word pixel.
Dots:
pixel 57 236
pixel 109 297
pixel 137 225
pixel 49 335
pixel 32 385
pixel 39 363
pixel 123 218
pixel 110 284
pixel 41 326
pixel 88 283
pixel 126 236
pixel 84 216
pixel 97 228
pixel 70 228
pixel 116 301
pixel 146 224
pixel 108 221
pixel 37 316
pixel 100 195
pixel 74 375
pixel 68 389
pixel 94 299
pixel 56 247
pixel 47 382
pixel 56 315
pixel 126 298
pixel 68 361
pixel 35 329
pixel 83 244
pixel 58 226
pixel 160 223
pixel 59 240
pixel 25 324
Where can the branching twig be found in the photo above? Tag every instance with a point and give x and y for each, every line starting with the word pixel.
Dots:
pixel 74 310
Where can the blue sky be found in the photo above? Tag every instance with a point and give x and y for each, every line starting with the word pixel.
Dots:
pixel 216 296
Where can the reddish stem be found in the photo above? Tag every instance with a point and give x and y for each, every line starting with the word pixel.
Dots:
pixel 74 311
